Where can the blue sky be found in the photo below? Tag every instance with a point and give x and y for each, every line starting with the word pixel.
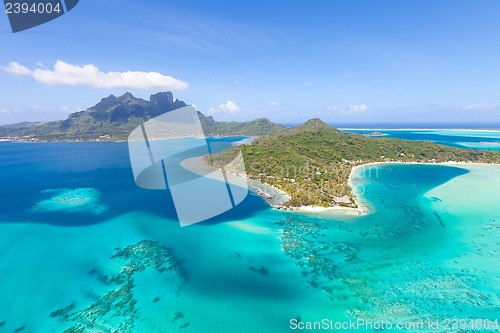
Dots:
pixel 342 61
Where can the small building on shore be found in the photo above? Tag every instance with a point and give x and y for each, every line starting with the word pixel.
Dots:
pixel 345 199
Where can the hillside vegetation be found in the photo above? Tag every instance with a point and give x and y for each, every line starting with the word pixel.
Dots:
pixel 312 162
pixel 113 118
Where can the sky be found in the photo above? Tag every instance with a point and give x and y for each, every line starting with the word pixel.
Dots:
pixel 344 61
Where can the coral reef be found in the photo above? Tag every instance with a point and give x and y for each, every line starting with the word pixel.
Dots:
pixel 117 311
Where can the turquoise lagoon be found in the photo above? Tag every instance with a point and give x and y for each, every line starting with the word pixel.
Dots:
pixel 84 250
pixel 462 138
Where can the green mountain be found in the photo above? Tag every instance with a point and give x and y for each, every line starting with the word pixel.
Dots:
pixel 257 127
pixel 312 162
pixel 113 118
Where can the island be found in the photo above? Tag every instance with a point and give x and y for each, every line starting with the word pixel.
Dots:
pixel 375 134
pixel 113 118
pixel 312 163
pixel 304 166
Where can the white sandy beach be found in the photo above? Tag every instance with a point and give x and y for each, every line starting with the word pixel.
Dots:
pixel 198 166
pixel 358 197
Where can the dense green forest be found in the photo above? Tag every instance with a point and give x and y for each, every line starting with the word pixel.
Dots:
pixel 113 118
pixel 312 162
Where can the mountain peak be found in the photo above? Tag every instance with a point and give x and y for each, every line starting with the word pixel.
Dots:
pixel 262 120
pixel 110 98
pixel 126 95
pixel 115 117
pixel 162 99
pixel 313 124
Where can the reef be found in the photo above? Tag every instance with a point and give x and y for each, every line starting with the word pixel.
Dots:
pixel 315 257
pixel 262 270
pixel 180 320
pixel 383 282
pixel 118 310
pixel 63 312
pixel 72 200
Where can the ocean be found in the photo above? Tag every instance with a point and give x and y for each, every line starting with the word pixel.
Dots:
pixel 471 138
pixel 83 249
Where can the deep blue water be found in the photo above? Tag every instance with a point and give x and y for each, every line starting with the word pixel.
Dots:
pixel 28 170
pixel 414 257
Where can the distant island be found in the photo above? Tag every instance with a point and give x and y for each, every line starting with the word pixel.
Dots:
pixel 113 118
pixel 312 162
pixel 374 134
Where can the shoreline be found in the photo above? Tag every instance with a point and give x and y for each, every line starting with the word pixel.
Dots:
pixel 248 138
pixel 199 166
pixel 362 209
pixel 421 129
pixel 357 197
pixel 253 185
pixel 64 141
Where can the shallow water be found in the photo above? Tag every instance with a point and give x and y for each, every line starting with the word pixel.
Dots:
pixel 461 138
pixel 82 247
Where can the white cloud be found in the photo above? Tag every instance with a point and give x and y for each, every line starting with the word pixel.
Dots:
pixel 308 83
pixel 482 106
pixel 41 65
pixel 90 76
pixel 15 68
pixel 353 109
pixel 273 103
pixel 358 108
pixel 67 109
pixel 5 111
pixel 227 108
